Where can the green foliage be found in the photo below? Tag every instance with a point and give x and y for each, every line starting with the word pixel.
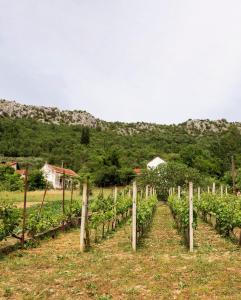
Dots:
pixel 36 180
pixel 102 208
pixel 51 215
pixel 9 181
pixel 9 219
pixel 145 209
pixel 226 209
pixel 180 211
pixel 170 175
pixel 209 153
pixel 110 171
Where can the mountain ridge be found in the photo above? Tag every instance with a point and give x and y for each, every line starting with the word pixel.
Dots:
pixel 53 115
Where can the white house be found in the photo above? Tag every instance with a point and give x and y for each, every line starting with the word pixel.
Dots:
pixel 54 175
pixel 156 162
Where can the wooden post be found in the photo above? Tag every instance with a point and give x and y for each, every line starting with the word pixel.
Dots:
pixel 179 192
pixel 147 191
pixel 208 190
pixel 115 203
pixel 191 216
pixel 234 175
pixel 134 231
pixel 129 193
pixel 199 193
pixel 221 191
pixel 83 217
pixel 24 205
pixel 214 189
pixel 72 191
pixel 226 190
pixel 87 233
pixel 63 196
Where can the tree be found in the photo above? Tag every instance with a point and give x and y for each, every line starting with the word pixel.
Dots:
pixel 85 136
pixel 170 175
pixel 36 181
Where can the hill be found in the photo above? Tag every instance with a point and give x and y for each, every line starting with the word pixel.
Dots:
pixel 53 115
pixel 55 135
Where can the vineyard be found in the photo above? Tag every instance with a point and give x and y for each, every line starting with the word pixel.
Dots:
pixel 103 215
pixel 223 212
pixel 135 232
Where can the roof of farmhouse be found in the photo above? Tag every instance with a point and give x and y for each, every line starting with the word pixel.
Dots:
pixel 60 170
pixel 155 162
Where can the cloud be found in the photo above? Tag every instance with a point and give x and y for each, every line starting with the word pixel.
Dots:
pixel 156 61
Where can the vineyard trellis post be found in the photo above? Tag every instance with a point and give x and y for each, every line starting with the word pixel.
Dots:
pixel 179 192
pixel 208 190
pixel 147 191
pixel 134 212
pixel 221 191
pixel 191 216
pixel 83 216
pixel 214 188
pixel 234 174
pixel 226 190
pixel 72 191
pixel 199 193
pixel 115 203
pixel 25 205
pixel 63 190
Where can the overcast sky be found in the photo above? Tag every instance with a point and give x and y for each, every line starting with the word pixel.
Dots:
pixel 162 61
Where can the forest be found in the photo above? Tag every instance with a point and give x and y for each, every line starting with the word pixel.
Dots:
pixel 110 157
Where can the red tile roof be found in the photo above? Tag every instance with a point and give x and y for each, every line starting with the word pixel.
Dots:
pixel 137 171
pixel 63 171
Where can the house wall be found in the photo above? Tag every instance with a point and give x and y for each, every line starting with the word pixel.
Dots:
pixel 51 176
pixel 54 178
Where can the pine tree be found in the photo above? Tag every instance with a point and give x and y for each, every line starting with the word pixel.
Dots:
pixel 85 136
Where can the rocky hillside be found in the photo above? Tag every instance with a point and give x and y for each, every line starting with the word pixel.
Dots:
pixel 54 115
pixel 208 126
pixel 43 114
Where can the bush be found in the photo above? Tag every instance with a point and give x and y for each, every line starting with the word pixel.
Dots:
pixel 9 181
pixel 36 181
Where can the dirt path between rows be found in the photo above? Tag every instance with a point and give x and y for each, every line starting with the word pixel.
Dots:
pixel 160 269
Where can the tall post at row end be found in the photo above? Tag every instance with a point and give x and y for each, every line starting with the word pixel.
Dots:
pixel 134 231
pixel 115 203
pixel 191 216
pixel 25 204
pixel 83 217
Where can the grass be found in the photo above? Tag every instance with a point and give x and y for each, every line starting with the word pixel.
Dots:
pixel 160 269
pixel 35 197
